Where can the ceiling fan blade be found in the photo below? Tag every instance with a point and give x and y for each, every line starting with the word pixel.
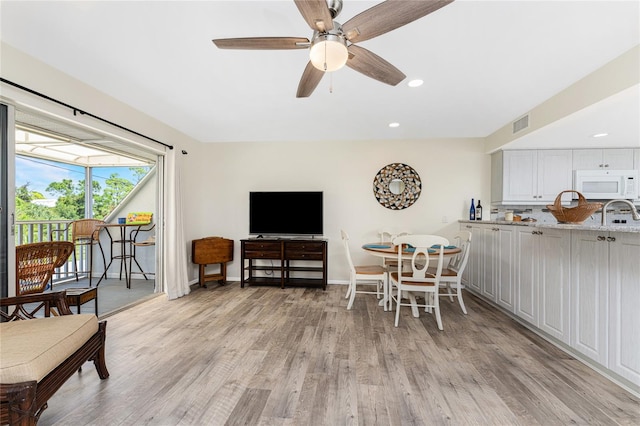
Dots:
pixel 388 16
pixel 316 13
pixel 372 65
pixel 309 81
pixel 262 43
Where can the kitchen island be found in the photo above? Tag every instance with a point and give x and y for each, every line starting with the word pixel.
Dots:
pixel 578 286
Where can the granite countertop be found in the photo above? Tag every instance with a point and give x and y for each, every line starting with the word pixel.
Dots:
pixel 623 227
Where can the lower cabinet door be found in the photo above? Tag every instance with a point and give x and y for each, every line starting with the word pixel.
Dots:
pixel 526 275
pixel 554 283
pixel 589 285
pixel 505 267
pixel 624 309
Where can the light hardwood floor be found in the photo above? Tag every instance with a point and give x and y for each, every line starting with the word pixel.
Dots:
pixel 267 356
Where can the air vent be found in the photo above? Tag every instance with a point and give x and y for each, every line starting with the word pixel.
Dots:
pixel 521 124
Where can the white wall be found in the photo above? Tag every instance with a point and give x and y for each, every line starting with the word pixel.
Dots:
pixel 218 178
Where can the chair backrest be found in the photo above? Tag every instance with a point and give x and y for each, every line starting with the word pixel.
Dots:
pixel 459 261
pixel 85 229
pixel 423 249
pixel 387 236
pixel 345 242
pixel 36 262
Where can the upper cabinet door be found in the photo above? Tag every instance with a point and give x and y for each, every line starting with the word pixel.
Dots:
pixel 554 173
pixel 603 159
pixel 520 175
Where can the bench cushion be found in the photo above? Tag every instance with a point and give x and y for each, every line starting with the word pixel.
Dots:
pixel 31 349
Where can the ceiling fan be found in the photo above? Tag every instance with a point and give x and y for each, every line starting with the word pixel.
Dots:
pixel 333 45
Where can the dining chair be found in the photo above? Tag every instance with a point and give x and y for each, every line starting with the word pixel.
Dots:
pixel 387 236
pixel 363 275
pixel 451 278
pixel 84 233
pixel 36 263
pixel 415 277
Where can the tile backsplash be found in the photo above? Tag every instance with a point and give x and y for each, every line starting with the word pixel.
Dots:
pixel 618 212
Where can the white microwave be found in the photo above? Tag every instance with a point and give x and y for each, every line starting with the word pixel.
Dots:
pixel 606 184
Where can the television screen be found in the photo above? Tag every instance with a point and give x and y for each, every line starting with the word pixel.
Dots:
pixel 285 213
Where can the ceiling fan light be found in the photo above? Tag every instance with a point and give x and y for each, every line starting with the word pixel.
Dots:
pixel 328 52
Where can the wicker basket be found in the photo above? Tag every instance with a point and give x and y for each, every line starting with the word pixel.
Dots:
pixel 576 214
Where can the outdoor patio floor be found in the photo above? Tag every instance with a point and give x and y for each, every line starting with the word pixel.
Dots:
pixel 113 294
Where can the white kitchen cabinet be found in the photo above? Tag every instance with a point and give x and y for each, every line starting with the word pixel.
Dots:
pixel 543 279
pixel 472 275
pixel 636 159
pixel 589 293
pixel 624 304
pixel 503 266
pixel 530 176
pixel 490 269
pixel 603 159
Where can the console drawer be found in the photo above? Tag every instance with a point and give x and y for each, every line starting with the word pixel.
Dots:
pixel 304 250
pixel 262 250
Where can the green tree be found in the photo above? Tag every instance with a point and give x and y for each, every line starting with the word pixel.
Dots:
pixel 117 188
pixel 139 173
pixel 70 204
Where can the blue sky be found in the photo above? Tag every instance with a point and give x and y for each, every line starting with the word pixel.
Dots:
pixel 40 173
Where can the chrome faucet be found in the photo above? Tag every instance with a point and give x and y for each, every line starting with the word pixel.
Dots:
pixel 634 212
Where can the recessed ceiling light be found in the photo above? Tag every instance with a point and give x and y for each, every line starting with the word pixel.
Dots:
pixel 415 83
pixel 600 135
pixel 394 124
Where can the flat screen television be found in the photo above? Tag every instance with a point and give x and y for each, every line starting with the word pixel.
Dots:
pixel 285 213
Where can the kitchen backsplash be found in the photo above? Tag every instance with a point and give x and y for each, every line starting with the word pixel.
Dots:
pixel 542 214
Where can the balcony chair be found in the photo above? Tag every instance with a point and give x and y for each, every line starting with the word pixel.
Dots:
pixel 416 278
pixel 36 263
pixel 85 232
pixel 452 274
pixel 363 275
pixel 148 242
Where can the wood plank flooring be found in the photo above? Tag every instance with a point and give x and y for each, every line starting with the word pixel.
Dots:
pixel 266 356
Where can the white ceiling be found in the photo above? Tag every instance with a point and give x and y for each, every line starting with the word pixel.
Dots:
pixel 484 63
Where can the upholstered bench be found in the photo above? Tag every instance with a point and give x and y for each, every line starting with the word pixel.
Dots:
pixel 37 355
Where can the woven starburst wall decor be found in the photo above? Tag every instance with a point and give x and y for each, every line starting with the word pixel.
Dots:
pixel 406 181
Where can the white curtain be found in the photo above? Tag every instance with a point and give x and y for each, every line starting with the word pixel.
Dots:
pixel 175 274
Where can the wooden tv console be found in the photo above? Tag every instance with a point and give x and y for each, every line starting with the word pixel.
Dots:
pixel 284 262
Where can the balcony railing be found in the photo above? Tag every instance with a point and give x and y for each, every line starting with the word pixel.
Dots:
pixel 42 230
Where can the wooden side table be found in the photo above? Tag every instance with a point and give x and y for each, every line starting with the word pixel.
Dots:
pixel 208 251
pixel 80 296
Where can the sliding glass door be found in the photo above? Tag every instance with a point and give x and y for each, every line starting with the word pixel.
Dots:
pixel 7 203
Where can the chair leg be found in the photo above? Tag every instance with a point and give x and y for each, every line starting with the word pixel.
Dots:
pixel 90 262
pixel 104 264
pixel 436 308
pixel 398 307
pixel 75 261
pixel 449 291
pixel 464 309
pixel 352 294
pixel 346 296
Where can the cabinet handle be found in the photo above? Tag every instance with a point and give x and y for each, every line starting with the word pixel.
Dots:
pixel 611 239
pixel 469 226
pixel 601 238
pixel 606 165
